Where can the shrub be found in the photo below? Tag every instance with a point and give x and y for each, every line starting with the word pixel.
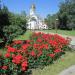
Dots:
pixel 1 40
pixel 41 50
pixel 12 31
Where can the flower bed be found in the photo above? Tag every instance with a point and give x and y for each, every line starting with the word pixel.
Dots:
pixel 41 50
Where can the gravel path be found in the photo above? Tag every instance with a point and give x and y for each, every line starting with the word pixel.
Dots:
pixel 69 71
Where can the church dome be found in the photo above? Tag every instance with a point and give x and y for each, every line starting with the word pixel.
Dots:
pixel 33 6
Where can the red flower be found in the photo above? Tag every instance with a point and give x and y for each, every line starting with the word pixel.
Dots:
pixel 25 46
pixel 57 50
pixel 17 41
pixel 7 55
pixel 39 40
pixel 14 61
pixel 13 55
pixel 36 45
pixel 46 46
pixel 28 41
pixel 17 59
pixel 24 65
pixel 53 43
pixel 51 55
pixel 32 53
pixel 11 49
pixel 40 53
pixel 24 68
pixel 4 67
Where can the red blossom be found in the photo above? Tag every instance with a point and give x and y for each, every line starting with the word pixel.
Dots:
pixel 25 46
pixel 53 43
pixel 32 53
pixel 11 49
pixel 36 45
pixel 24 68
pixel 51 55
pixel 39 54
pixel 24 65
pixel 13 55
pixel 7 55
pixel 46 46
pixel 17 42
pixel 57 50
pixel 17 59
pixel 28 41
pixel 4 67
pixel 39 40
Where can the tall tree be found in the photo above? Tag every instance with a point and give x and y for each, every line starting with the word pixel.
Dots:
pixel 50 20
pixel 66 14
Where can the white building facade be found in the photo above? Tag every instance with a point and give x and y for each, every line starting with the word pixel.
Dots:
pixel 34 21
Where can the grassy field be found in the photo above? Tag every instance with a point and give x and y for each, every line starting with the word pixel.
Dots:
pixel 28 34
pixel 25 36
pixel 62 32
pixel 63 63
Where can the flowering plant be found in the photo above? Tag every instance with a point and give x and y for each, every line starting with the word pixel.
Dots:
pixel 41 50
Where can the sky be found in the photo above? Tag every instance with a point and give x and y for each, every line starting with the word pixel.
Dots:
pixel 43 7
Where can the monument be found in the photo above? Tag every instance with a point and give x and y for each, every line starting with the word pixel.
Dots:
pixel 34 21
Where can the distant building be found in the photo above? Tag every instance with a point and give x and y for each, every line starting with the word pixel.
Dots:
pixel 34 21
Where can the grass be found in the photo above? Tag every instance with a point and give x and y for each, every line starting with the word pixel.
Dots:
pixel 64 62
pixel 62 32
pixel 28 33
pixel 25 36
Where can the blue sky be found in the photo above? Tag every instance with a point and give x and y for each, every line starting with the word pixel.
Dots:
pixel 43 7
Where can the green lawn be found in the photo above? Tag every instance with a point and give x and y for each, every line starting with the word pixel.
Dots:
pixel 25 36
pixel 64 62
pixel 63 32
pixel 28 34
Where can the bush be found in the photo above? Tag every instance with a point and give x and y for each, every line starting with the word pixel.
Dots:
pixel 41 50
pixel 12 31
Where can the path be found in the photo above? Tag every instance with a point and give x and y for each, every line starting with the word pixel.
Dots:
pixel 69 71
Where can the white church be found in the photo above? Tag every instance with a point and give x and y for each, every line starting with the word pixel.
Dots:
pixel 34 21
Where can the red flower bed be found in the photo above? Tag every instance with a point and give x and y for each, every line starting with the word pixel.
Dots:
pixel 42 49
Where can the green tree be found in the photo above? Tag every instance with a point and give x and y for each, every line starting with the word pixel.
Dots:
pixel 4 21
pixel 50 20
pixel 66 14
pixel 11 25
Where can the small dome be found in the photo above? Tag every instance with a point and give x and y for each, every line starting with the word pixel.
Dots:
pixel 33 6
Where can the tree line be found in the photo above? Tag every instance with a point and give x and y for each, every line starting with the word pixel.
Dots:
pixel 11 24
pixel 65 16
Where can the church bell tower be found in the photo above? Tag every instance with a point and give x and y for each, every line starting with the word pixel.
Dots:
pixel 32 9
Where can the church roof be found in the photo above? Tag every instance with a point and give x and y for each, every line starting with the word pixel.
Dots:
pixel 33 6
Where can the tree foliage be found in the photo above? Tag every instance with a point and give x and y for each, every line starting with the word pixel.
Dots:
pixel 11 23
pixel 66 14
pixel 50 20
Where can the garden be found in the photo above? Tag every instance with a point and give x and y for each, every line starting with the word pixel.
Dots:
pixel 22 56
pixel 37 52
